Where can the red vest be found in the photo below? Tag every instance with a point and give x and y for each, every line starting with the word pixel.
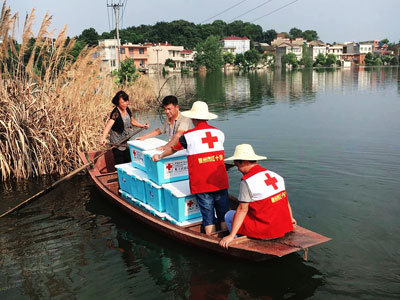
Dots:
pixel 268 215
pixel 205 155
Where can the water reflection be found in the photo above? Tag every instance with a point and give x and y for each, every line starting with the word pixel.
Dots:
pixel 189 273
pixel 243 92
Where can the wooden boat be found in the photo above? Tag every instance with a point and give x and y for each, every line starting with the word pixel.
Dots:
pixel 103 173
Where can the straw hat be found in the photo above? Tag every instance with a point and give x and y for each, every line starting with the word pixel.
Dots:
pixel 245 152
pixel 199 111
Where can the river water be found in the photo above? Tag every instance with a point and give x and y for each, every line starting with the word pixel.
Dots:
pixel 335 138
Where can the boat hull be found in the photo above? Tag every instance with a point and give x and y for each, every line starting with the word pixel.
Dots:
pixel 105 178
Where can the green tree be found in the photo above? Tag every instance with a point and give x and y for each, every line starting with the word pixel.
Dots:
pixel 385 41
pixel 378 61
pixel 295 33
pixel 387 59
pixel 268 59
pixel 228 57
pixel 330 60
pixel 369 59
pixel 89 36
pixel 209 54
pixel 169 63
pixel 79 45
pixel 320 60
pixel 127 72
pixel 394 61
pixel 310 35
pixel 290 59
pixel 240 60
pixel 270 35
pixel 251 57
pixel 306 58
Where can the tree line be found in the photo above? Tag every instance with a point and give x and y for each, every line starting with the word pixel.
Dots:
pixel 189 35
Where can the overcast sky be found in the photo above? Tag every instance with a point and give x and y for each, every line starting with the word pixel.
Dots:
pixel 334 20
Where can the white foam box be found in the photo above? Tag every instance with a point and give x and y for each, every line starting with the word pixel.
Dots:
pixel 179 202
pixel 169 169
pixel 131 180
pixel 136 149
pixel 138 179
pixel 154 195
pixel 124 179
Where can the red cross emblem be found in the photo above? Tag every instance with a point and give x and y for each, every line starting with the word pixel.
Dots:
pixel 169 167
pixel 210 140
pixel 190 203
pixel 134 153
pixel 271 181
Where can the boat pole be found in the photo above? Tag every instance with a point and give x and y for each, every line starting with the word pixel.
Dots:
pixel 76 171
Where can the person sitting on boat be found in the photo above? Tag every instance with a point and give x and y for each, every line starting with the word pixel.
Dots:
pixel 208 179
pixel 174 126
pixel 119 125
pixel 264 211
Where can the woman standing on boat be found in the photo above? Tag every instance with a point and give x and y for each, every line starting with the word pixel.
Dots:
pixel 119 126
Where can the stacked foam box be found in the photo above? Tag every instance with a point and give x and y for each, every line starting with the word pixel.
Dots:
pixel 136 149
pixel 179 202
pixel 162 187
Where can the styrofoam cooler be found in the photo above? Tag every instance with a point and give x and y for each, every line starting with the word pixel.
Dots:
pixel 169 169
pixel 124 179
pixel 138 190
pixel 154 195
pixel 179 202
pixel 137 147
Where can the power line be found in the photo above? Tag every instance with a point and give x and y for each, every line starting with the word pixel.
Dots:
pixel 229 8
pixel 274 11
pixel 245 13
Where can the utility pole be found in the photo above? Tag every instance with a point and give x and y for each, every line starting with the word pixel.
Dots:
pixel 116 8
pixel 158 66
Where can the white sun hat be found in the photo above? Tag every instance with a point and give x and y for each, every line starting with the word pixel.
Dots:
pixel 199 111
pixel 245 152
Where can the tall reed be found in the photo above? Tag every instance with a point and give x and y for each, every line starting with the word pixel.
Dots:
pixel 51 108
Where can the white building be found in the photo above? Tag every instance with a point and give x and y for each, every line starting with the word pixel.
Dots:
pixel 240 44
pixel 287 48
pixel 337 50
pixel 366 47
pixel 108 54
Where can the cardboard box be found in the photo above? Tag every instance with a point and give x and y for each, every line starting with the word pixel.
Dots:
pixel 136 149
pixel 179 202
pixel 170 169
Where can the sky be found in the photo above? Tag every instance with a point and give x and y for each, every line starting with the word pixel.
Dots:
pixel 334 20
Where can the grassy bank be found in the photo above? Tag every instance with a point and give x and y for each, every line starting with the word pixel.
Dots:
pixel 52 107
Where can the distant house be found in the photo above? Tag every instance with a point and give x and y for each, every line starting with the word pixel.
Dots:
pixel 336 49
pixel 366 47
pixel 159 53
pixel 317 47
pixel 287 48
pixel 137 52
pixel 108 54
pixel 281 38
pixel 351 48
pixel 267 48
pixel 238 45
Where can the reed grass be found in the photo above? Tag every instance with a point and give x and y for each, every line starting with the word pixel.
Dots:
pixel 51 107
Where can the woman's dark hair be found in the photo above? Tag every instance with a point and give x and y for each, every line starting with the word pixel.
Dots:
pixel 169 100
pixel 119 95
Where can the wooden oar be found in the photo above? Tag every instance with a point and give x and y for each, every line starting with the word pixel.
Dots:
pixel 48 189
